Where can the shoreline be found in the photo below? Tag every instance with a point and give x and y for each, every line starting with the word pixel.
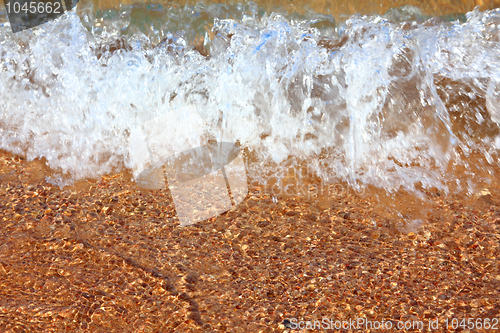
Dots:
pixel 104 256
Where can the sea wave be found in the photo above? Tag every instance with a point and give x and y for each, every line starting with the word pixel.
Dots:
pixel 408 103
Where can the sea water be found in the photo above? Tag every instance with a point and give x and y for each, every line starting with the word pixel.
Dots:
pixel 400 101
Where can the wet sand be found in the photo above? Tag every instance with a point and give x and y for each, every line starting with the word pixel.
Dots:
pixel 106 256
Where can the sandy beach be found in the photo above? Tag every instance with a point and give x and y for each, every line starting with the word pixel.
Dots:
pixel 106 256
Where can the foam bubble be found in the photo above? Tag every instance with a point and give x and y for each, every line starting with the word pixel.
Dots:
pixel 384 103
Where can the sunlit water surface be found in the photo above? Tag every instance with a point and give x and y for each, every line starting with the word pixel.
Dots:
pixel 401 101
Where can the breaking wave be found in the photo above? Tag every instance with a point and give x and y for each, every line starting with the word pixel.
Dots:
pixel 410 103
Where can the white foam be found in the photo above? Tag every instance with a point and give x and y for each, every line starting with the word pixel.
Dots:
pixel 371 106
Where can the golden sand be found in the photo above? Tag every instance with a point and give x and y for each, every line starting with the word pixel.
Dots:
pixel 105 256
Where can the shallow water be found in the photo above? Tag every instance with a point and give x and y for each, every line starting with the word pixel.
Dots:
pixel 401 101
pixel 398 107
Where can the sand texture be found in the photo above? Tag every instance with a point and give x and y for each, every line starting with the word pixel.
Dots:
pixel 105 256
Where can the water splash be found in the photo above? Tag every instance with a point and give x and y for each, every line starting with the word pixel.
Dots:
pixel 397 105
